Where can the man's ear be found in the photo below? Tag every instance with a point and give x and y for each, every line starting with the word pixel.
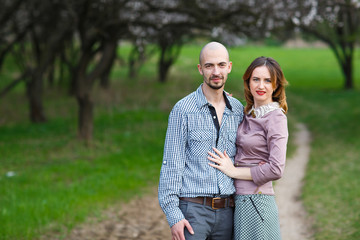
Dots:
pixel 200 69
pixel 230 66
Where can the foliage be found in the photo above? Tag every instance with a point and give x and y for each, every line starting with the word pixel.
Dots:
pixel 333 22
pixel 53 39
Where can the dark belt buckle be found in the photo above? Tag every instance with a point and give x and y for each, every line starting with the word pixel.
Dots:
pixel 213 202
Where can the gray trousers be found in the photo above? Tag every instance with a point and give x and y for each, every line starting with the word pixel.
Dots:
pixel 207 223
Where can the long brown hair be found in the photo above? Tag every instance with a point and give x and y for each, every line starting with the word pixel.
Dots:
pixel 277 78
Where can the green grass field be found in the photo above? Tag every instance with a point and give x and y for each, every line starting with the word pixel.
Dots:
pixel 58 182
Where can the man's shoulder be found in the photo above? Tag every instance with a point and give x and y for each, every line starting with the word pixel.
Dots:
pixel 235 104
pixel 186 103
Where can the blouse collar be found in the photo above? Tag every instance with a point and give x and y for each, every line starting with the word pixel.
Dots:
pixel 259 112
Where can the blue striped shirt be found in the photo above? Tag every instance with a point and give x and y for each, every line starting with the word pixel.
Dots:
pixel 190 135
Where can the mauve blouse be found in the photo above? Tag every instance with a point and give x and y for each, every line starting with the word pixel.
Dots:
pixel 262 139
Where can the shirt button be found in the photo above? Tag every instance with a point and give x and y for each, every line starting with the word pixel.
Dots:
pixel 164 162
pixel 260 192
pixel 214 117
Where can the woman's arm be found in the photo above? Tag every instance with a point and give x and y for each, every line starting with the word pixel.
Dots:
pixel 276 137
pixel 224 164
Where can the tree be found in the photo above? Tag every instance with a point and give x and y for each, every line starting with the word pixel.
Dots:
pixel 335 22
pixel 166 24
pixel 99 25
pixel 12 30
pixel 36 46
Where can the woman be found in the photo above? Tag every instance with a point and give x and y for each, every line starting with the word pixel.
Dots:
pixel 261 152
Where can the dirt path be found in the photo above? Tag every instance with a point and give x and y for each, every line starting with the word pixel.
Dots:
pixel 293 221
pixel 142 219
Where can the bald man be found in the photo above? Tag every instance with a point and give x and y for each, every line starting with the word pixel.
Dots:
pixel 196 198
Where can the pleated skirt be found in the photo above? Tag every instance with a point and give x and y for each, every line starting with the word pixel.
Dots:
pixel 256 217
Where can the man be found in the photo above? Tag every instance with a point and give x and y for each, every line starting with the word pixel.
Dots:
pixel 196 198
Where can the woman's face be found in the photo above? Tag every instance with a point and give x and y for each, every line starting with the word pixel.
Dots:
pixel 261 86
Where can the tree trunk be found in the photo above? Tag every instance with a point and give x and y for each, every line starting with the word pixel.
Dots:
pixel 164 68
pixel 85 104
pixel 168 55
pixel 105 76
pixel 83 85
pixel 86 119
pixel 34 94
pixel 164 64
pixel 348 72
pixel 345 58
pixel 135 60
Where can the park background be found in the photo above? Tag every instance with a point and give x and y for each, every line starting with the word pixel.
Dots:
pixel 86 88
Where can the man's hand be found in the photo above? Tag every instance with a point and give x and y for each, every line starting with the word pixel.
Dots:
pixel 177 230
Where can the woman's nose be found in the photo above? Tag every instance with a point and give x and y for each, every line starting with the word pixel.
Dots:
pixel 261 84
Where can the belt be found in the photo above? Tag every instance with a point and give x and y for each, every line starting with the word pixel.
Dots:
pixel 246 165
pixel 214 203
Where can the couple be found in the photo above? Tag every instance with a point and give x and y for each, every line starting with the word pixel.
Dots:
pixel 211 140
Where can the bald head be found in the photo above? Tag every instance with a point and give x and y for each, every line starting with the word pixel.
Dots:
pixel 213 46
pixel 214 66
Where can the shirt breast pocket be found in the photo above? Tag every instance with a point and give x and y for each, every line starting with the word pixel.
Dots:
pixel 200 142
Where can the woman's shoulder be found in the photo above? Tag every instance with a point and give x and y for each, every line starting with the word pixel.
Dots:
pixel 276 113
pixel 275 117
pixel 276 121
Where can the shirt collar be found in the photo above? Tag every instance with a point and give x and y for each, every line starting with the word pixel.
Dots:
pixel 201 99
pixel 259 112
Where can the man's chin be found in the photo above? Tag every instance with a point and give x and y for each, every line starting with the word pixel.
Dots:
pixel 216 87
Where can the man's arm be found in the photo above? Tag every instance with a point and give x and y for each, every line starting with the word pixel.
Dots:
pixel 173 166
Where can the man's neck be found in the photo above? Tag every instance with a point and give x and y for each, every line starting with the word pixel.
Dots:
pixel 213 96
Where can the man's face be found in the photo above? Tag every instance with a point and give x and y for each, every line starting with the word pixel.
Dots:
pixel 215 67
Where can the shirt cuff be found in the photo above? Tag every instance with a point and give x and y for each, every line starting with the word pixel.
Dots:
pixel 174 216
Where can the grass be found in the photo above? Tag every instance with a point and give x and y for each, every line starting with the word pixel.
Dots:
pixel 331 192
pixel 54 174
pixel 58 182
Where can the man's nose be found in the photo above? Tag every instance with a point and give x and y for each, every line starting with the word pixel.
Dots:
pixel 216 70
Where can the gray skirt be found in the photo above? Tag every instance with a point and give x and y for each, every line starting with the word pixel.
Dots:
pixel 256 217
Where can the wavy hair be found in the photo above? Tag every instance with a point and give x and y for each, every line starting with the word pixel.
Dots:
pixel 277 78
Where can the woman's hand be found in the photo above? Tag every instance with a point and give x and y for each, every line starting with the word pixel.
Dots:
pixel 223 162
